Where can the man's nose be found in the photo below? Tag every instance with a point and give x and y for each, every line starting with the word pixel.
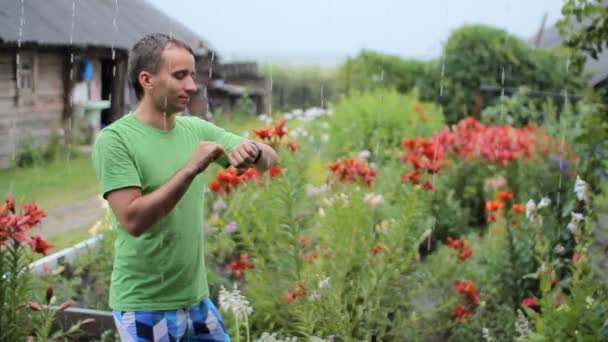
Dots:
pixel 190 86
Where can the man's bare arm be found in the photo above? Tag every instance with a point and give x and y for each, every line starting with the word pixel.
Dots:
pixel 138 212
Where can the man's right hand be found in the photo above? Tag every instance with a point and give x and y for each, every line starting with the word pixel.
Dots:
pixel 205 153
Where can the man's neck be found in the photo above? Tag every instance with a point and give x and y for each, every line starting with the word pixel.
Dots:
pixel 149 114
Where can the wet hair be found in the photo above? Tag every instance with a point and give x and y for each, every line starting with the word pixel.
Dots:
pixel 146 55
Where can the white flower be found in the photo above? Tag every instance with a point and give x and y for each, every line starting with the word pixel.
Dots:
pixel 575 223
pixel 324 284
pixel 485 332
pixel 522 326
pixel 364 154
pixel 314 296
pixel 578 217
pixel 344 198
pixel 321 212
pixel 373 199
pixel 288 116
pixel 314 191
pixel 264 117
pixel 317 339
pixel 234 302
pixel 325 137
pixel 544 202
pixel 581 189
pixel 573 228
pixel 559 249
pixel 266 337
pixel 530 210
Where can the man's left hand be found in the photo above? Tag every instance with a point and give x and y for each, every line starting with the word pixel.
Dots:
pixel 242 156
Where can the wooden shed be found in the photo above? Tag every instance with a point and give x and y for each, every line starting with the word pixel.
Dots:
pixel 57 54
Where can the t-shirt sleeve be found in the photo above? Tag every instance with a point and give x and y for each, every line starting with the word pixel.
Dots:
pixel 113 164
pixel 211 132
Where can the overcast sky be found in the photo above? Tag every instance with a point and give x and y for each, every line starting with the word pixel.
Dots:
pixel 325 31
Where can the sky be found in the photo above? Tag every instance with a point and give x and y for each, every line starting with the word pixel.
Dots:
pixel 327 31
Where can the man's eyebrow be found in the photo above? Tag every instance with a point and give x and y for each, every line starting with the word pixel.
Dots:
pixel 184 71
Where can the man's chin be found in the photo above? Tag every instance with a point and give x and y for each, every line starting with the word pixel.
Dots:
pixel 174 110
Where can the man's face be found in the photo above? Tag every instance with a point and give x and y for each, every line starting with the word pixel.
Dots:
pixel 173 84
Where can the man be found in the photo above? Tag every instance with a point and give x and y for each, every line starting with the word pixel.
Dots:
pixel 148 164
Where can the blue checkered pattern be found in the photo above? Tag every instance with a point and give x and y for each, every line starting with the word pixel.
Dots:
pixel 200 322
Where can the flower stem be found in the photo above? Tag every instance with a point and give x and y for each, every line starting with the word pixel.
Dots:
pixel 238 332
pixel 247 327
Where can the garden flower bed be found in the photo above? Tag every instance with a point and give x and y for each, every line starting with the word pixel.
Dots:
pixel 407 229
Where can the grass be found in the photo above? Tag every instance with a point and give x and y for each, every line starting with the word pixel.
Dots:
pixel 75 236
pixel 51 186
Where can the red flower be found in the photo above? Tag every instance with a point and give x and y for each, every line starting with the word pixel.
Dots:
pixel 34 306
pixel 456 244
pixel 39 245
pixel 237 266
pixel 279 128
pixel 461 313
pixel 411 176
pixel 466 288
pixel 304 240
pixel 9 205
pixel 418 108
pixel 352 170
pixel 227 181
pixel 272 134
pixel 293 146
pixel 377 249
pixel 33 214
pixel 65 305
pixel 461 245
pixel 519 208
pixel 263 133
pixel 505 195
pixel 493 205
pixel 465 253
pixel 491 218
pixel 215 186
pixel 428 186
pixel 49 294
pixel 310 257
pixel 293 294
pixel 424 117
pixel 274 171
pixel 529 302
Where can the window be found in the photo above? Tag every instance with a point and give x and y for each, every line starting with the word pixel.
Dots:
pixel 25 72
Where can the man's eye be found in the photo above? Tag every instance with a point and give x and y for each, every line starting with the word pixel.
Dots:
pixel 180 75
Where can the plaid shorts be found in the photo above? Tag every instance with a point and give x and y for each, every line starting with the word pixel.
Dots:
pixel 200 322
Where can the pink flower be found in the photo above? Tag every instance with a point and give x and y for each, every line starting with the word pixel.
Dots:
pixel 529 302
pixel 373 199
pixel 231 227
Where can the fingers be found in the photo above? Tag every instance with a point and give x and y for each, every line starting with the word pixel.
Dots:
pixel 242 156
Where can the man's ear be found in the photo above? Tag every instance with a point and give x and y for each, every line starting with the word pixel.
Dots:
pixel 145 79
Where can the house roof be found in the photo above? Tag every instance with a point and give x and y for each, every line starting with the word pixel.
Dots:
pixel 49 22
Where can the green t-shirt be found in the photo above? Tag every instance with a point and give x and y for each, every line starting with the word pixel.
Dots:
pixel 164 268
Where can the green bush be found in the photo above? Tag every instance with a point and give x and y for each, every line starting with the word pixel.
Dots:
pixel 378 121
pixel 477 54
